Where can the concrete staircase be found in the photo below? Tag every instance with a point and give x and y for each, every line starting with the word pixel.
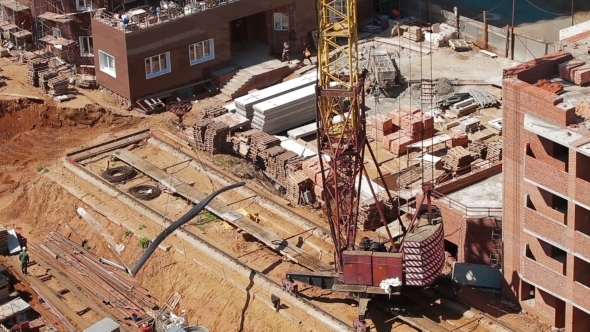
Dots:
pixel 258 76
pixel 232 87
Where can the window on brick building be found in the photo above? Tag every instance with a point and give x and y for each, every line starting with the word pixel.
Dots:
pixel 554 252
pixel 582 271
pixel 339 6
pixel 86 47
pixel 582 169
pixel 281 21
pixel 529 203
pixel 107 63
pixel 157 65
pixel 559 204
pixel 201 52
pixel 83 5
pixel 582 220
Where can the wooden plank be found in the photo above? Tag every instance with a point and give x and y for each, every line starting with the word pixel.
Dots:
pixel 490 54
pixel 233 217
pixel 108 146
pixel 423 324
pixel 406 43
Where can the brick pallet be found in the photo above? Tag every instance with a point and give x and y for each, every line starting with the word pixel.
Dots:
pixel 581 75
pixel 3 240
pixel 397 143
pixel 369 217
pixel 215 138
pixel 297 185
pixel 268 158
pixel 457 158
pixel 566 69
pixel 311 168
pixel 210 112
pixel 58 86
pixel 408 178
pixel 477 149
pixel 34 67
pixel 44 77
pixel 252 143
pixel 494 151
pixel 458 139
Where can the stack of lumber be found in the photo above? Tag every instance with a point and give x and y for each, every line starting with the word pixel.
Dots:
pixel 379 126
pixel 210 136
pixel 3 240
pixel 44 77
pixel 457 158
pixel 58 86
pixel 477 149
pixel 210 112
pixel 253 143
pixel 286 111
pixel 582 75
pixel 409 177
pixel 369 217
pixel 269 159
pixel 245 104
pixel 277 166
pixel 34 67
pixel 458 140
pixel 494 151
pixel 566 69
pixel 298 184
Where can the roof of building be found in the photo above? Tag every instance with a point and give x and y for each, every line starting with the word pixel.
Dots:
pixel 12 308
pixel 14 5
pixel 486 194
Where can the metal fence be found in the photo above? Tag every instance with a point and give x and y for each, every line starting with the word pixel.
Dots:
pixel 525 49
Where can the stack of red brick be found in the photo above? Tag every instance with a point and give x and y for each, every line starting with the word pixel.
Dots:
pixel 576 71
pixel 380 126
pixel 458 139
pixel 414 126
pixel 312 168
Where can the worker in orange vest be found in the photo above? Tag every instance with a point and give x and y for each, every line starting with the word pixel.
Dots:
pixel 396 14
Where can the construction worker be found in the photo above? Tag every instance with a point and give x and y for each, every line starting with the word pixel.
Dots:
pixel 24 260
pixel 276 302
pixel 286 52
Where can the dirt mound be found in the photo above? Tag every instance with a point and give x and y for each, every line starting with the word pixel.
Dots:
pixel 36 132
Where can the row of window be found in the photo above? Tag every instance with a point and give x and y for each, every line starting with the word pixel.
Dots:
pixel 158 65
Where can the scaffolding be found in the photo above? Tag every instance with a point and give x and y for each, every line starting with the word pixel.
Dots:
pixel 51 26
pixel 12 25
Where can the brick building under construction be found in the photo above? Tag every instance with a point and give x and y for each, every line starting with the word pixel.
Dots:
pixel 546 215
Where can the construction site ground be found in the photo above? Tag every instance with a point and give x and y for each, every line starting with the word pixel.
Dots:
pixel 38 194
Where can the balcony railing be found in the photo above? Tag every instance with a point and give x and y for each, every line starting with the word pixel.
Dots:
pixel 582 244
pixel 141 19
pixel 467 210
pixel 540 224
pixel 545 175
pixel 581 295
pixel 582 190
pixel 544 277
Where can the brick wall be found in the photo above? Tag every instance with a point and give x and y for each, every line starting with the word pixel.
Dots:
pixel 543 150
pixel 466 180
pixel 537 69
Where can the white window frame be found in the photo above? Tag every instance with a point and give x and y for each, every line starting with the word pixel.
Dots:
pixel 87 5
pixel 193 54
pixel 104 67
pixel 339 5
pixel 88 39
pixel 160 72
pixel 281 21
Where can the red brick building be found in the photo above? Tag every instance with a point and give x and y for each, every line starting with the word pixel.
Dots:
pixel 546 215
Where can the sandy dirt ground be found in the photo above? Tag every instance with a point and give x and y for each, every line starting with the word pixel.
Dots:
pixel 36 136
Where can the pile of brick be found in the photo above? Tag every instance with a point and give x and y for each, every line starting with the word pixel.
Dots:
pixel 298 185
pixel 380 126
pixel 583 109
pixel 457 158
pixel 276 166
pixel 477 149
pixel 312 169
pixel 57 86
pixel 458 139
pixel 252 143
pixel 397 143
pixel 34 67
pixel 582 75
pixel 369 217
pixel 210 136
pixel 44 77
pixel 550 86
pixel 210 112
pixel 409 177
pixel 494 151
pixel 414 33
pixel 566 69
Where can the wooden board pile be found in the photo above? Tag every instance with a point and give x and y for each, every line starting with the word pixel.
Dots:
pixel 252 143
pixel 409 177
pixel 458 140
pixel 494 151
pixel 413 33
pixel 210 136
pixel 312 169
pixel 3 240
pixel 34 67
pixel 477 149
pixel 457 158
pixel 369 217
pixel 277 166
pixel 245 104
pixel 298 184
pixel 566 69
pixel 286 111
pixel 210 112
pixel 57 86
pixel 44 77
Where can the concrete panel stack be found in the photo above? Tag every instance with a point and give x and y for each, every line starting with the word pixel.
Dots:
pixel 210 112
pixel 245 104
pixel 494 151
pixel 477 149
pixel 566 69
pixel 469 125
pixel 379 126
pixel 458 140
pixel 297 184
pixel 286 111
pixel 457 158
pixel 465 107
pixel 34 67
pixel 58 86
pixel 582 75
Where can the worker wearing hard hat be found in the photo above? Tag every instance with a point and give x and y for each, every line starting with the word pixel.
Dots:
pixel 24 260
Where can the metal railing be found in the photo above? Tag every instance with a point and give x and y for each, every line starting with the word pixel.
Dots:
pixel 171 13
